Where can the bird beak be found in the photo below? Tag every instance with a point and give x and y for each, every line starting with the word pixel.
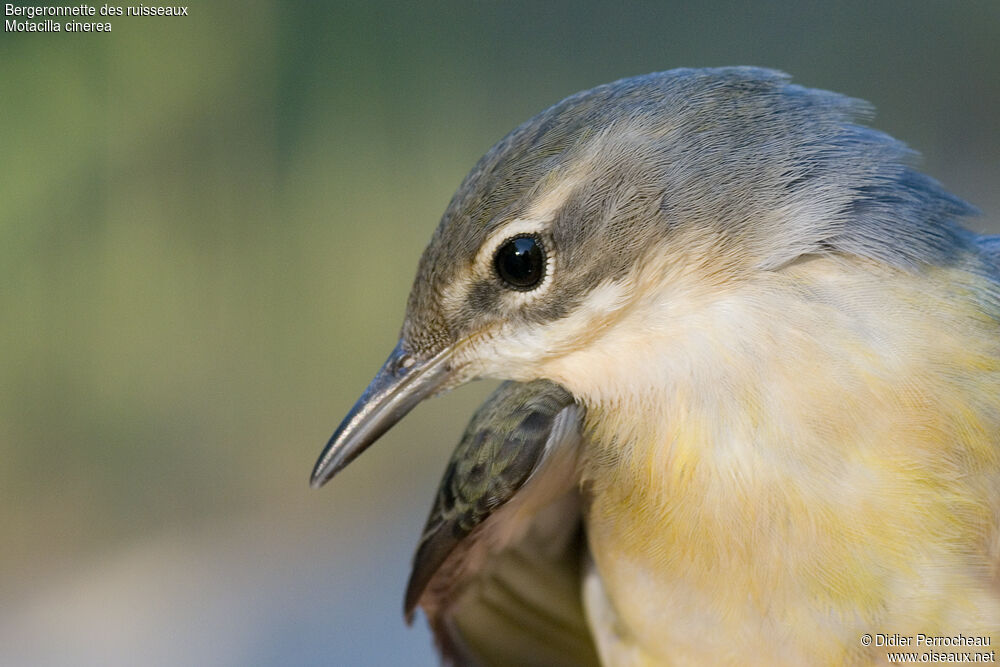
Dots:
pixel 401 383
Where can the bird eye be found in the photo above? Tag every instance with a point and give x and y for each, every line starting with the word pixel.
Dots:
pixel 520 262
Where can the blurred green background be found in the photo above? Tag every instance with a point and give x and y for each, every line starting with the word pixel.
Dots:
pixel 208 228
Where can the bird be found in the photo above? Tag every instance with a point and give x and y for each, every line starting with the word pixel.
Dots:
pixel 777 349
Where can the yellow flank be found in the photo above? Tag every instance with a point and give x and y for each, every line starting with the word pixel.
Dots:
pixel 789 460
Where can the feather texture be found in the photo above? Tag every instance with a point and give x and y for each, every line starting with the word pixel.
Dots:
pixel 497 570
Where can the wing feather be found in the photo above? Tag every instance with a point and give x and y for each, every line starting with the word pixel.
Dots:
pixel 497 570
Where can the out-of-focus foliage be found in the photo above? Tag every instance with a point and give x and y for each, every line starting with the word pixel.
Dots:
pixel 208 227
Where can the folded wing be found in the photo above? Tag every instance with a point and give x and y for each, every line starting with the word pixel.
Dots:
pixel 497 570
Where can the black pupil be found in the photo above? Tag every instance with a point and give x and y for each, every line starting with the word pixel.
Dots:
pixel 520 262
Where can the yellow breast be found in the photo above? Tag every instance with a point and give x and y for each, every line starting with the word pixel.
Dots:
pixel 792 464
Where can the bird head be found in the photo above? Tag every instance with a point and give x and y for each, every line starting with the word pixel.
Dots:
pixel 639 201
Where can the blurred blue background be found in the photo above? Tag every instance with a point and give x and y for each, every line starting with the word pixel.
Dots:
pixel 208 228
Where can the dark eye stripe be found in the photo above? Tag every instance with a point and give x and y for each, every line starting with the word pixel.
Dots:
pixel 520 262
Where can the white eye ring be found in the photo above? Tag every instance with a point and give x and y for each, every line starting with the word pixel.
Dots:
pixel 518 228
